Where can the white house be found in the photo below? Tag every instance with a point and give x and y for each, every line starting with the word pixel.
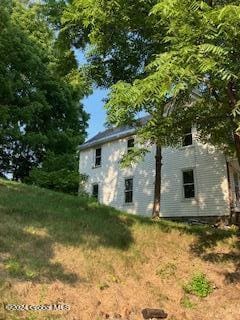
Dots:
pixel 197 180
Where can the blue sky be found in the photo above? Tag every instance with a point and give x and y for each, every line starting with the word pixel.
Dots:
pixel 93 105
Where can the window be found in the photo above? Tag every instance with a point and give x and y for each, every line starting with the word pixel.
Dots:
pixel 95 190
pixel 187 139
pixel 128 190
pixel 98 157
pixel 236 187
pixel 188 184
pixel 130 145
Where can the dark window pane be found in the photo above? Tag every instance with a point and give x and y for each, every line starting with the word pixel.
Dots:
pixel 95 191
pixel 128 190
pixel 98 157
pixel 128 196
pixel 188 177
pixel 188 131
pixel 98 152
pixel 98 161
pixel 128 184
pixel 130 143
pixel 189 191
pixel 187 140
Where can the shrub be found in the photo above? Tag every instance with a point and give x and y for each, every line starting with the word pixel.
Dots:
pixel 59 173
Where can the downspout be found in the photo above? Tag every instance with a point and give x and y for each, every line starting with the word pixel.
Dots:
pixel 230 199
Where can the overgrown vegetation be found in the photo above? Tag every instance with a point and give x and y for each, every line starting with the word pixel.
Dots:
pixel 42 121
pixel 56 247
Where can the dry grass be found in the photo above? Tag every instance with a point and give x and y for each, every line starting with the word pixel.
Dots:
pixel 56 248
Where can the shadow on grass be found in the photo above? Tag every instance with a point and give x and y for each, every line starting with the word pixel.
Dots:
pixel 205 243
pixel 34 220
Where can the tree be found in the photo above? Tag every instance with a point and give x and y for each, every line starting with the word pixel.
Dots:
pixel 120 39
pixel 198 71
pixel 40 113
pixel 176 60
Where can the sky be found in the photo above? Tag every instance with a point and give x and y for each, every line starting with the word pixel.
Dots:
pixel 93 105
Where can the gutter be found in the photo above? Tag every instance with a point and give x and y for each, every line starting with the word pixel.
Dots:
pixel 112 137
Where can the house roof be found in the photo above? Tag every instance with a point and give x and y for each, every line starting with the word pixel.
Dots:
pixel 111 134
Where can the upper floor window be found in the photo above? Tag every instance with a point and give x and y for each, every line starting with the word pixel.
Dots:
pixel 187 138
pixel 98 157
pixel 130 144
pixel 95 190
pixel 188 184
pixel 129 190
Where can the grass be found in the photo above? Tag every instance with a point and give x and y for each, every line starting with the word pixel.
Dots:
pixel 167 270
pixel 56 248
pixel 187 303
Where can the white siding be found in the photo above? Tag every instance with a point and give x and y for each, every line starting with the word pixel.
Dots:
pixel 211 185
pixel 111 178
pixel 210 175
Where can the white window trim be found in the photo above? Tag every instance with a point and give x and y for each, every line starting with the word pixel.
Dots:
pixel 128 203
pixel 93 184
pixel 94 166
pixel 190 145
pixel 195 184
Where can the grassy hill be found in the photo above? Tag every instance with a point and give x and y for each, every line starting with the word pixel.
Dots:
pixel 56 248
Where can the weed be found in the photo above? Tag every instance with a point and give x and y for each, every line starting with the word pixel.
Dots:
pixel 199 285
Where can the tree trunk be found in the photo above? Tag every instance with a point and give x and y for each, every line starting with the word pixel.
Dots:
pixel 157 187
pixel 237 145
pixel 231 90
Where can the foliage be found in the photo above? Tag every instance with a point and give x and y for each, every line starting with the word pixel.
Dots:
pixel 195 76
pixel 135 155
pixel 176 60
pixel 39 94
pixel 111 32
pixel 199 285
pixel 60 180
pixel 58 173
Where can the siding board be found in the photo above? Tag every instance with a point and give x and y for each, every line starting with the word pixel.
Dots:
pixel 210 175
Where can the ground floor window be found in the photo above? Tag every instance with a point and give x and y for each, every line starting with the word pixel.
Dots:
pixel 129 190
pixel 188 184
pixel 95 190
pixel 236 187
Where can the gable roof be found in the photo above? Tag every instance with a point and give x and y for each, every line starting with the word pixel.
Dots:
pixel 111 134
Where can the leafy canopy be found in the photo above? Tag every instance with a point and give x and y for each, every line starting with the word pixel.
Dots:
pixel 179 53
pixel 40 112
pixel 197 74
